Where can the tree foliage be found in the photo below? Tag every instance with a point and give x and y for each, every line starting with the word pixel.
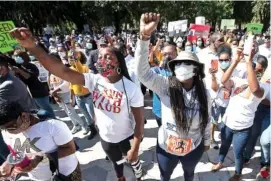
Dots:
pixel 97 14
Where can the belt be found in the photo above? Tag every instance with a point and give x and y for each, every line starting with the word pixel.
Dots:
pixel 85 95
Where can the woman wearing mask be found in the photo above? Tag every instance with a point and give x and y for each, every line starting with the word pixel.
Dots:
pixel 63 55
pixel 238 120
pixel 82 95
pixel 44 137
pixel 188 46
pixel 199 45
pixel 116 98
pixel 221 101
pixel 185 131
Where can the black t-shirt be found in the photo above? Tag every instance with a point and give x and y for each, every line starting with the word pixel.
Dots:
pixel 36 87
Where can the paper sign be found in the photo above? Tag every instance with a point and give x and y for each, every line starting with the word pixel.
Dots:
pixel 229 23
pixel 43 73
pixel 255 28
pixel 7 43
pixel 177 27
pixel 198 31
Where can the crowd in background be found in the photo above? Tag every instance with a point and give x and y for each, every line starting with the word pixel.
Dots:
pixel 106 76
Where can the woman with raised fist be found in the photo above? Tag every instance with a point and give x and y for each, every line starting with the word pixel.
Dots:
pixel 185 131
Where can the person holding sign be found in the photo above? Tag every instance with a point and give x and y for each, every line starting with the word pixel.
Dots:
pixel 185 131
pixel 238 120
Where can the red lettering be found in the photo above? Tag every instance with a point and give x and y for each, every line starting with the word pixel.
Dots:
pixel 96 95
pixel 100 106
pixel 117 102
pixel 108 107
pixel 119 95
pixel 116 109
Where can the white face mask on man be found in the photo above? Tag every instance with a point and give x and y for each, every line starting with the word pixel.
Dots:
pixel 184 72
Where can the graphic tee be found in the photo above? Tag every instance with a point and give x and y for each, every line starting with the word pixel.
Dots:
pixel 44 137
pixel 113 112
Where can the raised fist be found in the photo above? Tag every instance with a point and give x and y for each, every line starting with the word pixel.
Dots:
pixel 24 37
pixel 148 23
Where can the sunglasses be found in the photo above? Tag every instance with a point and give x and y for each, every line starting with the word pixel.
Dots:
pixel 224 60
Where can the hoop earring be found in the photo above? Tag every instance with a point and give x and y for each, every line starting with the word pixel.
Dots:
pixel 118 70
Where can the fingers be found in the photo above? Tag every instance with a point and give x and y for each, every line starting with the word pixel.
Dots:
pixel 149 17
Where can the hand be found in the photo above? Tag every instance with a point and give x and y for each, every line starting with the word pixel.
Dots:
pixel 34 161
pixel 213 71
pixel 206 148
pixel 238 56
pixel 148 23
pixel 249 59
pixel 132 156
pixel 53 93
pixel 24 37
pixel 57 99
pixel 5 169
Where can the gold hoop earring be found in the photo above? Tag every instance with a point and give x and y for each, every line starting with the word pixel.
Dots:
pixel 118 70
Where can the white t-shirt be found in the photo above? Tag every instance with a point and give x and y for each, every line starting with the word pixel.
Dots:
pixel 114 120
pixel 265 51
pixel 242 105
pixel 44 137
pixel 222 96
pixel 131 66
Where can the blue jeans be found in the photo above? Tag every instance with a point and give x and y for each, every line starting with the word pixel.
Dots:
pixel 239 139
pixel 4 151
pixel 44 103
pixel 85 105
pixel 265 143
pixel 167 162
pixel 261 122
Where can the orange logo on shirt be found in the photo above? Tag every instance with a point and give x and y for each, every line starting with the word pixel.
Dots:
pixel 240 89
pixel 108 100
pixel 179 146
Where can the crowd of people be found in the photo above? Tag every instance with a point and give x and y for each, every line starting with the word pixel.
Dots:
pixel 197 87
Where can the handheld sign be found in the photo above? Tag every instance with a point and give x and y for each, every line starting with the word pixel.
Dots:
pixel 7 43
pixel 255 28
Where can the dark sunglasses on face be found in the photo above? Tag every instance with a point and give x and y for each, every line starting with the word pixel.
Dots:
pixel 224 60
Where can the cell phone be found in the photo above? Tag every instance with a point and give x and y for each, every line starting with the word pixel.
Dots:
pixel 214 64
pixel 248 45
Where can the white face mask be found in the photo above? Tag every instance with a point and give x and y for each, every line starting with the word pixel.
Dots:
pixel 184 72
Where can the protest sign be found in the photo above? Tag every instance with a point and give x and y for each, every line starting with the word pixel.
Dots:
pixel 200 20
pixel 43 73
pixel 228 23
pixel 7 43
pixel 255 28
pixel 177 27
pixel 198 31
